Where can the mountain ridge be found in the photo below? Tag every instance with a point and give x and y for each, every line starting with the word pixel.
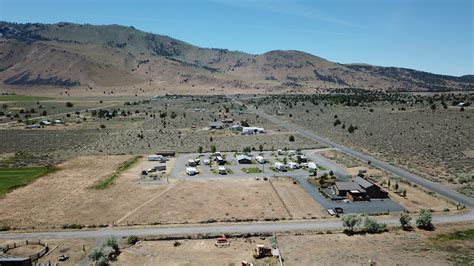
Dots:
pixel 74 55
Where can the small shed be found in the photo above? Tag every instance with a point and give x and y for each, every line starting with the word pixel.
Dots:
pixel 244 159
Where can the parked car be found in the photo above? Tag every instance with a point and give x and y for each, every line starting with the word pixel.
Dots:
pixel 339 210
pixel 206 162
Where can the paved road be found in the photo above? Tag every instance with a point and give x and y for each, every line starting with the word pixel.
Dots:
pixel 215 229
pixel 435 187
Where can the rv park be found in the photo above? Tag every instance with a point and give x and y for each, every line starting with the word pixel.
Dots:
pixel 212 177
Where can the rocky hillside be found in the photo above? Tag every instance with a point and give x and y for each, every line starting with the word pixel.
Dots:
pixel 73 55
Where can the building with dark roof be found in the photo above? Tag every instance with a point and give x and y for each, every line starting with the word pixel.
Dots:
pixel 372 190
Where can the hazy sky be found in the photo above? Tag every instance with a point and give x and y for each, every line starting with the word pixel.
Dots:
pixel 429 35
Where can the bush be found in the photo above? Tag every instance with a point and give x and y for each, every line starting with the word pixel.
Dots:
pixel 423 220
pixel 131 240
pixel 405 220
pixel 371 226
pixel 291 138
pixel 69 104
pixel 102 126
pixel 350 221
pixel 4 227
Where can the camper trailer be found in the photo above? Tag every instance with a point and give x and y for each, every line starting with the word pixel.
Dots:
pixel 279 166
pixel 260 159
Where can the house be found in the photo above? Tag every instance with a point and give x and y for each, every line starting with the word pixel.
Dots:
pixel 192 171
pixel 252 130
pixel 372 190
pixel 216 125
pixel 279 166
pixel 154 157
pixel 260 159
pixel 244 159
pixel 350 190
pixel 166 153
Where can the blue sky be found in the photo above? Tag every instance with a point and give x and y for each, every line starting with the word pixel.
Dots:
pixel 429 35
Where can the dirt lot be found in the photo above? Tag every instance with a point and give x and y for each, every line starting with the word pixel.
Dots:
pixel 205 201
pixel 193 252
pixel 76 249
pixel 297 201
pixel 66 196
pixel 393 248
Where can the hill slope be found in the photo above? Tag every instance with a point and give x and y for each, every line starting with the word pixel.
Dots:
pixel 73 55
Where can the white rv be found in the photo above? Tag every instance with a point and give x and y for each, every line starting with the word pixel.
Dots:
pixel 279 166
pixel 293 165
pixel 191 171
pixel 260 159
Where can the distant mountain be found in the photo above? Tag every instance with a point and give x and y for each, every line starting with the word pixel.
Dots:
pixel 70 55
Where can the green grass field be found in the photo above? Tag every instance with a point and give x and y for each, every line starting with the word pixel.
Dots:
pixel 12 178
pixel 251 170
pixel 22 98
pixel 123 167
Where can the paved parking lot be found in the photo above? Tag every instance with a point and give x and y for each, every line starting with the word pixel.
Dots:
pixel 300 175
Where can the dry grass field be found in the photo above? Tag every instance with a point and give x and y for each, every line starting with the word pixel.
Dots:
pixel 297 201
pixel 193 252
pixel 68 197
pixel 208 201
pixel 393 248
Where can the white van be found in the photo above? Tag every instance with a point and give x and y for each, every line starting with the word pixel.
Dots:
pixel 260 159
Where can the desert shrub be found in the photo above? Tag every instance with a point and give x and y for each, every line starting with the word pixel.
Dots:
pixel 4 227
pixel 423 220
pixel 405 220
pixel 102 126
pixel 131 240
pixel 350 221
pixel 291 138
pixel 371 226
pixel 69 104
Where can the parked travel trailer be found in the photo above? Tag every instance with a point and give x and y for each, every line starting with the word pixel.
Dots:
pixel 191 171
pixel 279 166
pixel 293 165
pixel 260 159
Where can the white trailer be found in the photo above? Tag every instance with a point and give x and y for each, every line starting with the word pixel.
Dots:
pixel 312 166
pixel 279 166
pixel 191 171
pixel 260 159
pixel 293 165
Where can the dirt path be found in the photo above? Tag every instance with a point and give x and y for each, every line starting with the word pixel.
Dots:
pixel 128 214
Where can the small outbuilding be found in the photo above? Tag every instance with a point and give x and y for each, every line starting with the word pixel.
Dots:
pixel 244 159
